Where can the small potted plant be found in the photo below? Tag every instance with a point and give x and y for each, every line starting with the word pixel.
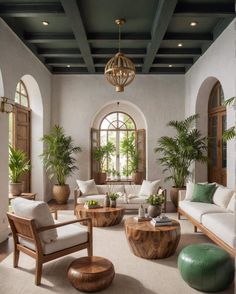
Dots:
pixel 18 165
pixel 91 204
pixel 155 201
pixel 113 197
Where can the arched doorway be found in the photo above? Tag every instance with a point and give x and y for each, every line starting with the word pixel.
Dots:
pixel 20 128
pixel 217 151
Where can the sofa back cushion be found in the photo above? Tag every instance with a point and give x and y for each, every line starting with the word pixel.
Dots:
pixel 132 190
pixel 222 196
pixel 87 187
pixel 103 189
pixel 39 211
pixel 148 188
pixel 203 193
pixel 189 191
pixel 232 203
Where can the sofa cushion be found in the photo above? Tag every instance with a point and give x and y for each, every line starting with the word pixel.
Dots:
pixel 39 211
pixel 203 193
pixel 197 209
pixel 68 236
pixel 137 200
pixel 222 225
pixel 99 198
pixel 87 187
pixel 132 189
pixel 189 191
pixel 222 196
pixel 232 204
pixel 148 188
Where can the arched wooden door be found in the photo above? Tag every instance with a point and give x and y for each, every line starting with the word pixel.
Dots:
pixel 217 151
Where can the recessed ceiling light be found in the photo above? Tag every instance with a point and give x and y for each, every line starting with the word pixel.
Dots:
pixel 68 65
pixel 170 65
pixel 45 23
pixel 180 45
pixel 193 23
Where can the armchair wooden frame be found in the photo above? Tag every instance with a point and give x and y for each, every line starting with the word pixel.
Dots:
pixel 26 228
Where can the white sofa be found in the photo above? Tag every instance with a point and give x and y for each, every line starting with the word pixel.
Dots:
pixel 129 195
pixel 216 220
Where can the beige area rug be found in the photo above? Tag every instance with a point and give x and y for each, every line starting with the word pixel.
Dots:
pixel 134 275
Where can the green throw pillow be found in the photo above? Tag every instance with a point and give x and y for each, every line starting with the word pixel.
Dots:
pixel 203 193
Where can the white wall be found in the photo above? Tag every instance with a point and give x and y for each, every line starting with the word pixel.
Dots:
pixel 218 63
pixel 77 99
pixel 16 61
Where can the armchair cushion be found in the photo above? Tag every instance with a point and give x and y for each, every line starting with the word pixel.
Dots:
pixel 87 187
pixel 39 211
pixel 68 236
pixel 148 188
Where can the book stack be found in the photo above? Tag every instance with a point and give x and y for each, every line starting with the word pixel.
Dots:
pixel 142 219
pixel 161 221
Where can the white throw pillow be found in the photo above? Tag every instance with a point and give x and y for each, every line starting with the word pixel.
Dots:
pixel 87 187
pixel 222 196
pixel 232 203
pixel 39 211
pixel 189 191
pixel 148 188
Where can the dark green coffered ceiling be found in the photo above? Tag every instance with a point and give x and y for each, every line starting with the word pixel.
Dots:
pixel 82 36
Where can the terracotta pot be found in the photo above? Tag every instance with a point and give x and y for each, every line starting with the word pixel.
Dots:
pixel 174 195
pixel 138 178
pixel 15 189
pixel 61 193
pixel 102 178
pixel 154 210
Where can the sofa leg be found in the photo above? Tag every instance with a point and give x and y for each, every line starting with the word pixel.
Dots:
pixel 195 229
pixel 16 257
pixel 179 215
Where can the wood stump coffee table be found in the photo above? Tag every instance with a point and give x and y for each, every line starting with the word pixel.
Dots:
pixel 151 242
pixel 101 217
pixel 90 274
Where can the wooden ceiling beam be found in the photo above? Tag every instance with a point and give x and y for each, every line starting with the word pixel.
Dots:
pixel 74 17
pixel 31 9
pixel 114 37
pixel 179 51
pixel 48 37
pixel 164 13
pixel 108 52
pixel 205 9
pixel 57 52
pixel 172 60
pixel 188 36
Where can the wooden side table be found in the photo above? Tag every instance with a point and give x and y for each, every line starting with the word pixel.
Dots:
pixel 151 242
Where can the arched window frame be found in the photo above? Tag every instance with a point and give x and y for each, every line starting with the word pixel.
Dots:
pixel 22 92
pixel 117 127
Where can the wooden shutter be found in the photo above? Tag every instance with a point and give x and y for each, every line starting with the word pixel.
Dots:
pixel 141 147
pixel 94 164
pixel 22 137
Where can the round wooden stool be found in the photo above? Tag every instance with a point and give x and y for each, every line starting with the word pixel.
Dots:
pixel 90 274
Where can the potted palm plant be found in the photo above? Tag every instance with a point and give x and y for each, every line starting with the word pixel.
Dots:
pixel 179 152
pixel 18 165
pixel 59 162
pixel 129 149
pixel 102 153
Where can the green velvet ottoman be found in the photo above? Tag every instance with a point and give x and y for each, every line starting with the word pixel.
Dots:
pixel 206 267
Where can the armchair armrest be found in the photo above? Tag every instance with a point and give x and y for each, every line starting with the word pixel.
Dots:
pixel 182 195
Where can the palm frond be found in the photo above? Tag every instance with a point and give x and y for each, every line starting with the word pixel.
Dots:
pixel 229 134
pixel 229 101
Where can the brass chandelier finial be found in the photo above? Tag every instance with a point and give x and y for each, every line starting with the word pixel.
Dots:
pixel 120 70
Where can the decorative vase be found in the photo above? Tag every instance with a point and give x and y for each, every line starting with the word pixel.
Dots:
pixel 61 193
pixel 174 195
pixel 141 211
pixel 102 178
pixel 154 210
pixel 107 201
pixel 113 203
pixel 138 178
pixel 15 189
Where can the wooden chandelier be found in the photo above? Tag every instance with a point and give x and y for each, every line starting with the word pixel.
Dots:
pixel 119 70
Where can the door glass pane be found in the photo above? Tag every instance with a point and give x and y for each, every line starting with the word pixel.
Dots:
pixel 24 101
pixel 222 97
pixel 213 98
pixel 224 145
pixel 213 141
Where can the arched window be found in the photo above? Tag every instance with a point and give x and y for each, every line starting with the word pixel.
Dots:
pixel 21 95
pixel 217 150
pixel 116 128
